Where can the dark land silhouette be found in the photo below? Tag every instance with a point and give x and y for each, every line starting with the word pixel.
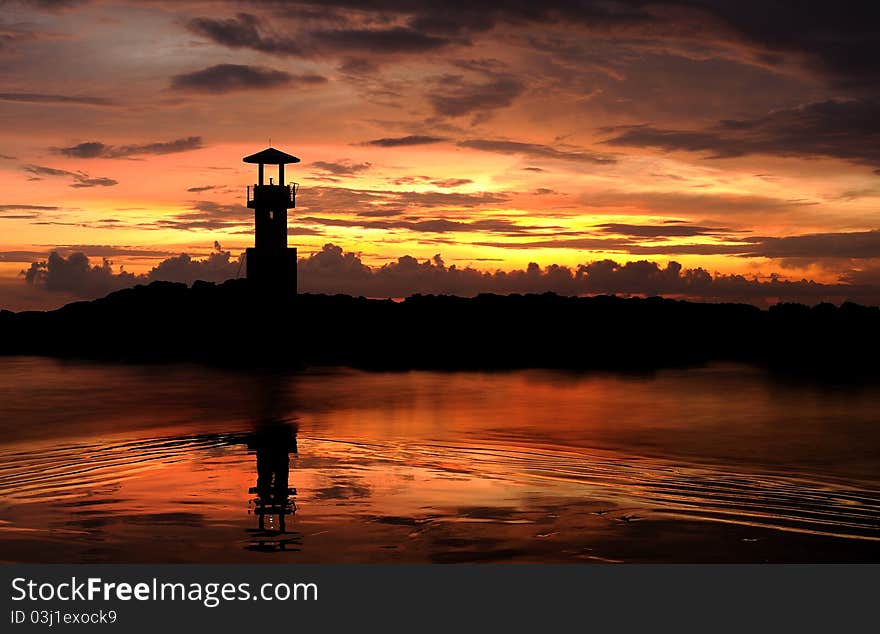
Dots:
pixel 239 323
pixel 261 320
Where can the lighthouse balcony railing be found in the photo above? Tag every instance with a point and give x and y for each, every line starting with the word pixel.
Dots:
pixel 271 193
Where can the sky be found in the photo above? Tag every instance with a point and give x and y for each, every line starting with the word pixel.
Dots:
pixel 694 148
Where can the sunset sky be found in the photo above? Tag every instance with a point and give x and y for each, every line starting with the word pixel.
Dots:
pixel 736 138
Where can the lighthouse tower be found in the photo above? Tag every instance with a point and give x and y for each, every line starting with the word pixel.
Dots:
pixel 271 264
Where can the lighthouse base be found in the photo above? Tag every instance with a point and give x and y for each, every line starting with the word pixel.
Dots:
pixel 273 270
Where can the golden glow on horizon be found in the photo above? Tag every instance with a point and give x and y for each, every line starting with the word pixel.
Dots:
pixel 505 180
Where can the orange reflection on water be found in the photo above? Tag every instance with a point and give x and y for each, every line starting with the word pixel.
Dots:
pixel 177 463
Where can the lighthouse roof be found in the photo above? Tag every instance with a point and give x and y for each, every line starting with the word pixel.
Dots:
pixel 271 156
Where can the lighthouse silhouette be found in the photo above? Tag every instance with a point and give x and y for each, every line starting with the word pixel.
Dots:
pixel 271 264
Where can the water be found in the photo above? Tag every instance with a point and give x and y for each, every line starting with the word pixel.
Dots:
pixel 116 463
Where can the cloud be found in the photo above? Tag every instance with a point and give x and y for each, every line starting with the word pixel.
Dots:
pixel 402 141
pixel 28 208
pixel 442 183
pixel 224 78
pixel 335 200
pixel 664 230
pixel 21 215
pixel 437 225
pixel 217 267
pixel 243 31
pixel 81 179
pixel 96 149
pixel 74 274
pixel 817 39
pixel 815 246
pixel 392 40
pixel 332 270
pixel 453 97
pixel 30 97
pixel 678 202
pixel 206 215
pixel 249 31
pixel 834 44
pixel 24 212
pixel 342 167
pixel 109 250
pixel 449 183
pixel 847 130
pixel 90 250
pixel 41 170
pixel 85 181
pixel 54 5
pixel 536 150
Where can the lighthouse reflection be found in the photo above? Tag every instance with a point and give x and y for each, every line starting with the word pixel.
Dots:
pixel 273 442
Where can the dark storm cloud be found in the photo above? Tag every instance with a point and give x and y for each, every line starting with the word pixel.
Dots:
pixel 535 150
pixel 30 97
pixel 81 179
pixel 829 40
pixel 342 167
pixel 402 141
pixel 833 40
pixel 224 78
pixel 848 130
pixel 96 149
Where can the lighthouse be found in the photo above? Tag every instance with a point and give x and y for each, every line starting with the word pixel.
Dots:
pixel 271 264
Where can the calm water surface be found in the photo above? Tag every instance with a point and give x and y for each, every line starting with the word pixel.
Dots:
pixel 182 463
